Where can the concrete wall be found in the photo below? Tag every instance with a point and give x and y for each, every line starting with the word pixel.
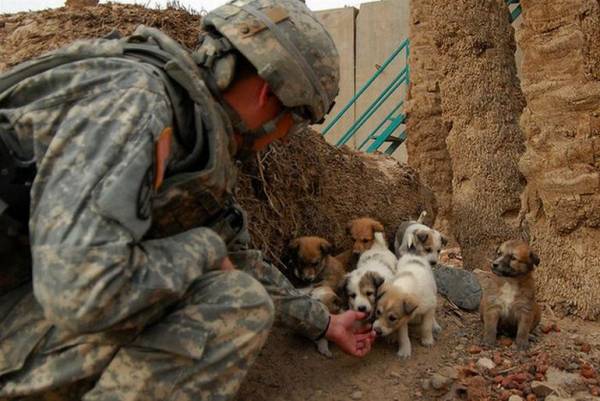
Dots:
pixel 365 38
pixel 380 28
pixel 341 25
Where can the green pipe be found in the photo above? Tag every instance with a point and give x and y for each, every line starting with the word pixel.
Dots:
pixel 372 134
pixel 399 80
pixel 365 86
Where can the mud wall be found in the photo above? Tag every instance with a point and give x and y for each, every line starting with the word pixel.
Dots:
pixel 481 102
pixel 427 131
pixel 561 123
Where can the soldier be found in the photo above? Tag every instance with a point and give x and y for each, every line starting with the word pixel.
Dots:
pixel 125 284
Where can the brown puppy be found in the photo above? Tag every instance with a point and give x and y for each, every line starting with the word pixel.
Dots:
pixel 311 262
pixel 508 301
pixel 362 231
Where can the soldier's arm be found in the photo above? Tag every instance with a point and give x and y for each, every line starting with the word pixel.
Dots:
pixel 92 269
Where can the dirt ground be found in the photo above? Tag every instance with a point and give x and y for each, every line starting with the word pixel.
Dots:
pixel 289 367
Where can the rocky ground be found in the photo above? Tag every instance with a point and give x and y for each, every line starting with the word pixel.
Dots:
pixel 562 364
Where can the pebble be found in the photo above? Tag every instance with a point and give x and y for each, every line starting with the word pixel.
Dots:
pixel 426 384
pixel 439 382
pixel 474 349
pixel 541 389
pixel 515 398
pixel 357 395
pixel 450 372
pixel 458 285
pixel 486 363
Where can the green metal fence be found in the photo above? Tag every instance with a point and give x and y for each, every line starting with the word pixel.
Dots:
pixel 396 118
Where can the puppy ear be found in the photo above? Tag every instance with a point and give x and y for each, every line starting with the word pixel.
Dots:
pixel 349 227
pixel 376 279
pixel 381 291
pixel 444 240
pixel 294 245
pixel 377 227
pixel 409 306
pixel 326 247
pixel 534 258
pixel 422 236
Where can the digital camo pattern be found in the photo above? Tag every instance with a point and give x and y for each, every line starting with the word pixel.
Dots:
pixel 107 303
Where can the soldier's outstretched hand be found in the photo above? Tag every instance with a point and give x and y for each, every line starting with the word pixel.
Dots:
pixel 350 333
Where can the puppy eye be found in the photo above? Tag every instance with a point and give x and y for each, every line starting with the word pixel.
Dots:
pixel 369 293
pixel 392 318
pixel 439 250
pixel 352 296
pixel 378 313
pixel 427 250
pixel 364 241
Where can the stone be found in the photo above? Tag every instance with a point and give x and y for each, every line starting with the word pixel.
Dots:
pixel 542 389
pixel 515 398
pixel 439 382
pixel 449 372
pixel 559 378
pixel 486 363
pixel 425 384
pixel 459 286
pixel 357 395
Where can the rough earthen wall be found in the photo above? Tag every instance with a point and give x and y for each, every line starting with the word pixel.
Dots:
pixel 481 102
pixel 427 132
pixel 561 81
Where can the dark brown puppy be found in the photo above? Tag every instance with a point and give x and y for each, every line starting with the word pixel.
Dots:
pixel 362 231
pixel 508 301
pixel 311 262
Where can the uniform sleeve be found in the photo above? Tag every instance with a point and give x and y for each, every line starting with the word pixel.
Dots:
pixel 92 269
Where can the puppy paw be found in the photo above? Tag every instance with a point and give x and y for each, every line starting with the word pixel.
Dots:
pixel 323 348
pixel 437 329
pixel 427 342
pixel 522 345
pixel 404 353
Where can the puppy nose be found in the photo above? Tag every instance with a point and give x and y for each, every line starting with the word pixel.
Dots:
pixel 378 331
pixel 362 308
pixel 432 263
pixel 494 264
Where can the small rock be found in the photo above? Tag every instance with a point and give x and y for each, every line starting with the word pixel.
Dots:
pixel 458 285
pixel 486 363
pixel 506 342
pixel 585 347
pixel 357 395
pixel 595 391
pixel 515 398
pixel 449 372
pixel 426 384
pixel 588 372
pixel 542 389
pixel 395 375
pixel 439 382
pixel 531 397
pixel 474 349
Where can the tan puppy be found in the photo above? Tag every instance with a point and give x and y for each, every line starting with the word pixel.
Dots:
pixel 508 301
pixel 311 262
pixel 362 231
pixel 409 297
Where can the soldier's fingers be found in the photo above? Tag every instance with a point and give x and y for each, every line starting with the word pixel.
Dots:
pixel 362 337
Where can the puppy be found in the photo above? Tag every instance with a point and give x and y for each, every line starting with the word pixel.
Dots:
pixel 409 296
pixel 508 301
pixel 374 267
pixel 414 237
pixel 311 262
pixel 362 231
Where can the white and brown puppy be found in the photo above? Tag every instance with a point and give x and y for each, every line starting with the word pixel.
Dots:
pixel 374 266
pixel 409 297
pixel 414 237
pixel 508 302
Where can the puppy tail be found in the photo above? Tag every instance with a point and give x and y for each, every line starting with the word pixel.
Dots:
pixel 422 216
pixel 380 239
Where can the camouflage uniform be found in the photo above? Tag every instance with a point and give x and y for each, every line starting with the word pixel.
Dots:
pixel 132 315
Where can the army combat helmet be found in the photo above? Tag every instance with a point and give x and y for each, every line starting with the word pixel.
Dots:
pixel 289 48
